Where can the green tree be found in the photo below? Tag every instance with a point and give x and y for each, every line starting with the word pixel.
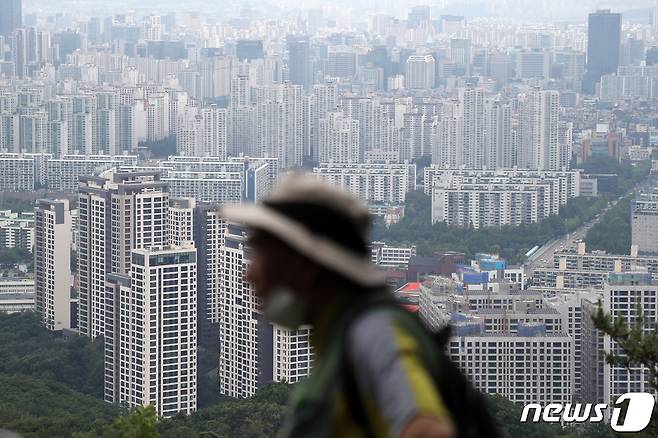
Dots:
pixel 613 232
pixel 142 422
pixel 638 343
pixel 28 349
pixel 160 148
pixel 12 256
pixel 510 242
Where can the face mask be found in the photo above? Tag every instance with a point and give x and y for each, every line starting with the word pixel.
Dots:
pixel 285 308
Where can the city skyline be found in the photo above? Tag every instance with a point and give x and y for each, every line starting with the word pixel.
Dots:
pixel 506 157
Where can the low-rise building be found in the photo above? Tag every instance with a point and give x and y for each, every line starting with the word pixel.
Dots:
pixel 374 183
pixel 391 256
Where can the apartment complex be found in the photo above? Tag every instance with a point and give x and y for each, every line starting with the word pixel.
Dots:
pixel 578 269
pixel 529 367
pixel 373 183
pixel 209 236
pixel 481 198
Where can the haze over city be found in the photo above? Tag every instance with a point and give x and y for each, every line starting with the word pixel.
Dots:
pixel 328 218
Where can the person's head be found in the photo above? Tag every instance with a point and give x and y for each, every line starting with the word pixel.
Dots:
pixel 307 245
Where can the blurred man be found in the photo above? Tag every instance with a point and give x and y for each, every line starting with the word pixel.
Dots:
pixel 310 265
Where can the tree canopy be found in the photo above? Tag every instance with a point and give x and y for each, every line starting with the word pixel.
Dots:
pixel 42 397
pixel 510 242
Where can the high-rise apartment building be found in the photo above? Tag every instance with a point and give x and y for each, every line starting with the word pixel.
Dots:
pixel 323 101
pixel 292 354
pixel 623 294
pixel 52 264
pixel 538 367
pixel 603 47
pixel 419 73
pixel 214 133
pixel 279 127
pixel 180 221
pixel 644 222
pixel 246 350
pixel 539 146
pixel 498 145
pixel 373 183
pixel 209 235
pixel 116 214
pixel 153 329
pixel 338 139
pixel 252 352
pixel 471 104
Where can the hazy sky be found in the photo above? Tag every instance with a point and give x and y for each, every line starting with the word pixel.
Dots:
pixel 527 9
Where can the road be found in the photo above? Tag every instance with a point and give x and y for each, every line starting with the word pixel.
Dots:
pixel 543 257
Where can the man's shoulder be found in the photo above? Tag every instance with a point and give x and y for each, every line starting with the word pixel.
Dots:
pixel 379 325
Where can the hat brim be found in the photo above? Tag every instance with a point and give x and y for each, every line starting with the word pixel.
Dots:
pixel 320 250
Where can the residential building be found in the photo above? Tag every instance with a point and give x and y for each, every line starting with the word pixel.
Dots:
pixel 391 256
pixel 117 213
pixel 419 72
pixel 623 294
pixel 52 263
pixel 644 223
pixel 209 237
pixel 374 183
pixel 246 350
pixel 180 221
pixel 528 367
pixel 154 331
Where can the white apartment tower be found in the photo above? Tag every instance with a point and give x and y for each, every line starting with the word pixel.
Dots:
pixel 539 146
pixel 188 132
pixel 339 139
pixel 471 102
pixel 323 101
pixel 252 352
pixel 215 129
pixel 279 123
pixel 644 222
pixel 524 368
pixel 446 137
pixel 498 152
pixel 52 264
pixel 203 132
pixel 293 354
pixel 242 118
pixel 154 332
pixel 117 214
pixel 180 221
pixel 622 294
pixel 242 331
pixel 420 72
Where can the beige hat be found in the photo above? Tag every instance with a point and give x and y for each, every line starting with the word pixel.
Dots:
pixel 324 223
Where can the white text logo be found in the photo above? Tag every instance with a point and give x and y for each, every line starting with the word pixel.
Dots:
pixel 638 412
